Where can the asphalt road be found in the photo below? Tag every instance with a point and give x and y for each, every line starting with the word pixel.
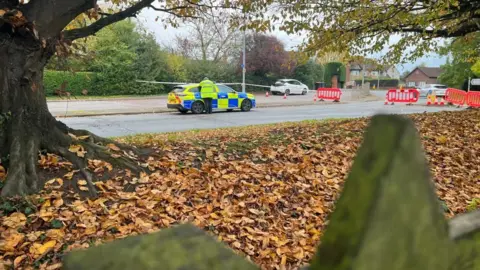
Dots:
pixel 157 104
pixel 120 125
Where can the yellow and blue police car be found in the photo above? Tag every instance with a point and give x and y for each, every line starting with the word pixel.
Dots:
pixel 187 97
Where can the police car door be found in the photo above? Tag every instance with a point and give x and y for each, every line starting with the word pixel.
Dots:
pixel 227 97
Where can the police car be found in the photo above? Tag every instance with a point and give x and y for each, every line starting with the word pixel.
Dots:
pixel 187 97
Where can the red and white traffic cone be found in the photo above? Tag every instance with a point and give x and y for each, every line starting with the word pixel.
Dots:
pixel 266 94
pixel 285 96
pixel 314 98
pixel 436 101
pixel 442 102
pixel 386 101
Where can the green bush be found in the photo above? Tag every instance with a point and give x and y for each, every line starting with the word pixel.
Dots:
pixel 309 73
pixel 98 84
pixel 122 82
pixel 268 79
pixel 76 82
pixel 218 72
pixel 332 69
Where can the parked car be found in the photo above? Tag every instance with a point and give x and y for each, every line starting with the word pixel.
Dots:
pixel 288 86
pixel 439 89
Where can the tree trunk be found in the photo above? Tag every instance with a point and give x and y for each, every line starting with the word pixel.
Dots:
pixel 26 125
pixel 25 122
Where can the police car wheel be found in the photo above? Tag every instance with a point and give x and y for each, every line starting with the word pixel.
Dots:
pixel 198 107
pixel 246 105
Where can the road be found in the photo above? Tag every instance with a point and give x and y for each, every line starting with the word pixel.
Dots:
pixel 148 105
pixel 159 104
pixel 120 125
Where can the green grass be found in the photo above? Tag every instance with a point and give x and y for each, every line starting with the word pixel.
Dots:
pixel 199 134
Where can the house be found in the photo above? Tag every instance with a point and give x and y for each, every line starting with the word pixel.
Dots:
pixel 356 70
pixel 392 72
pixel 421 76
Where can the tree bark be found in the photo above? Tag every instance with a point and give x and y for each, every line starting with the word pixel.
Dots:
pixel 26 120
pixel 26 125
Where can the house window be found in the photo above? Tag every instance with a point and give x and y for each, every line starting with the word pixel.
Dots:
pixel 411 84
pixel 355 72
pixel 422 84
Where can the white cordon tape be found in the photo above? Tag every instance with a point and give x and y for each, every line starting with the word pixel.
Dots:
pixel 179 83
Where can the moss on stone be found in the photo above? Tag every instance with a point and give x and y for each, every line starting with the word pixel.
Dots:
pixel 181 247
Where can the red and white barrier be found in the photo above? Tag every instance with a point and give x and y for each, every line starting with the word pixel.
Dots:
pixel 456 96
pixel 473 99
pixel 329 94
pixel 402 96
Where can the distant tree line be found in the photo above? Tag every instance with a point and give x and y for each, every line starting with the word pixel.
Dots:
pixel 111 62
pixel 463 61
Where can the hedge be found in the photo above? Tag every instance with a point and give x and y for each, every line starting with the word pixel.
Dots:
pixel 332 69
pixel 76 82
pixel 97 84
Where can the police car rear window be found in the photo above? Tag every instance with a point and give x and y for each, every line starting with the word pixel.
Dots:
pixel 178 89
pixel 193 90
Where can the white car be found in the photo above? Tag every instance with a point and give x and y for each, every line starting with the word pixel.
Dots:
pixel 288 86
pixel 439 89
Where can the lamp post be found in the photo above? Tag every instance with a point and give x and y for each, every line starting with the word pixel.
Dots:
pixel 244 69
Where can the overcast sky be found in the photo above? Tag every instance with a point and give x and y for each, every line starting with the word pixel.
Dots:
pixel 165 36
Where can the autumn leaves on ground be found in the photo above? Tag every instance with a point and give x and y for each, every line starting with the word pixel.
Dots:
pixel 266 191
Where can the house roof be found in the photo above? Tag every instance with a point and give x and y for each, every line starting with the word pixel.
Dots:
pixel 431 72
pixel 355 66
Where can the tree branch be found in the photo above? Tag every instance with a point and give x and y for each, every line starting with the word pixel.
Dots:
pixel 440 33
pixel 171 11
pixel 51 17
pixel 103 22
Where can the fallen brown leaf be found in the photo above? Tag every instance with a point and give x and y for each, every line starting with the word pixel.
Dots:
pixel 265 191
pixel 38 250
pixel 113 147
pixel 15 220
pixel 77 149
